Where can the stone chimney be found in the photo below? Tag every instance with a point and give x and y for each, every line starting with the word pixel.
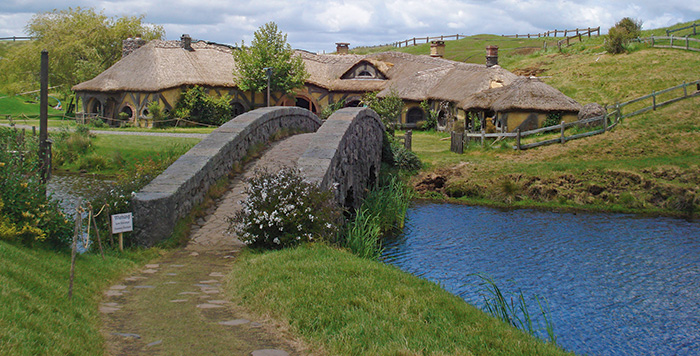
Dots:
pixel 342 48
pixel 186 42
pixel 437 49
pixel 491 56
pixel 131 44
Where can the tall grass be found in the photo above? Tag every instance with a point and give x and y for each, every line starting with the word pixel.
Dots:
pixel 381 213
pixel 514 310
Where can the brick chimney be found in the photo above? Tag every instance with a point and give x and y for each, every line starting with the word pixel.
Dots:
pixel 342 48
pixel 129 45
pixel 437 49
pixel 491 56
pixel 186 42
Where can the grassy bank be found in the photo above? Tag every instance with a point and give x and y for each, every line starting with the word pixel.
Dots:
pixel 346 305
pixel 37 318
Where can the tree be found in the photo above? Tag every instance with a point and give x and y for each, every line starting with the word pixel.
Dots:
pixel 388 108
pixel 81 43
pixel 620 34
pixel 269 49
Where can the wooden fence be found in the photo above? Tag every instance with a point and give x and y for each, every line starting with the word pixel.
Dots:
pixel 555 33
pixel 419 40
pixel 578 35
pixel 607 122
pixel 672 42
pixel 693 26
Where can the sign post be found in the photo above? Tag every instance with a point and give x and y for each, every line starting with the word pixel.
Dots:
pixel 122 223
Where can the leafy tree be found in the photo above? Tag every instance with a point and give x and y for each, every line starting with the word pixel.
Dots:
pixel 269 49
pixel 620 34
pixel 81 43
pixel 198 106
pixel 388 108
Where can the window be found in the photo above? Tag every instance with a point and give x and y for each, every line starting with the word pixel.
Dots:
pixel 414 115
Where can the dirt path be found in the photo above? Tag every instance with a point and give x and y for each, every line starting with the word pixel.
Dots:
pixel 177 306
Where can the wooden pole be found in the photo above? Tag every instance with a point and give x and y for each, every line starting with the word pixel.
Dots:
pixel 97 233
pixel 563 139
pixel 43 115
pixel 517 139
pixel 78 228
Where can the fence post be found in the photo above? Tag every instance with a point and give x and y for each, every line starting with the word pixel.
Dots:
pixel 483 137
pixel 414 41
pixel 563 139
pixel 517 139
pixel 687 43
pixel 685 89
pixel 653 99
pixel 407 138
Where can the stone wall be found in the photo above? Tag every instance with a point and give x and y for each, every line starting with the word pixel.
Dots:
pixel 345 154
pixel 174 193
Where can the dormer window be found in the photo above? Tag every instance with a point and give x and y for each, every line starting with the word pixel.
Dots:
pixel 364 70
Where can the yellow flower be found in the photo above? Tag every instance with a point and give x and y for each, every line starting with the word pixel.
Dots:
pixel 2 164
pixel 24 184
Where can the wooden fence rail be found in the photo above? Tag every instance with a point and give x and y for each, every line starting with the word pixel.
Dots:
pixel 565 33
pixel 673 41
pixel 608 121
pixel 419 40
pixel 16 38
pixel 693 26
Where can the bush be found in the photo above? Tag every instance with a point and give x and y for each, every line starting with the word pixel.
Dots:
pixel 620 35
pixel 388 108
pixel 283 210
pixel 330 109
pixel 69 146
pixel 431 121
pixel 26 214
pixel 198 106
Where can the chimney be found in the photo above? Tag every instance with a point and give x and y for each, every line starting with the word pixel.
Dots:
pixel 186 42
pixel 437 49
pixel 342 48
pixel 129 45
pixel 491 56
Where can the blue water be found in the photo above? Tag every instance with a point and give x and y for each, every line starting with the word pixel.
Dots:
pixel 616 284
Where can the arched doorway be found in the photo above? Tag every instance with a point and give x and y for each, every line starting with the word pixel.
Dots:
pixel 305 103
pixel 414 115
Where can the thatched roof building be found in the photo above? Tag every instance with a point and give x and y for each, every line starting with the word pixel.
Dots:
pixel 159 70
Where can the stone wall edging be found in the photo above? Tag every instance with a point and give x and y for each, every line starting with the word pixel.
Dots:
pixel 184 184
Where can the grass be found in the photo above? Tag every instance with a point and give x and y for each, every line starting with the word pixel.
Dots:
pixel 23 107
pixel 355 306
pixel 37 318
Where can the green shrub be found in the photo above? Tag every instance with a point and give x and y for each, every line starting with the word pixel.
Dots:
pixel 283 210
pixel 430 123
pixel 198 106
pixel 69 146
pixel 26 214
pixel 331 108
pixel 388 108
pixel 620 35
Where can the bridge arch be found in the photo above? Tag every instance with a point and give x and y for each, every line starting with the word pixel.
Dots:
pixel 345 154
pixel 174 193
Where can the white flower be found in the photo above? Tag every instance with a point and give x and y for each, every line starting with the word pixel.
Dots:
pixel 328 225
pixel 276 240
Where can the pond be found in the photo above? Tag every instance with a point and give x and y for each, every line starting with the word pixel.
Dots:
pixel 68 188
pixel 615 284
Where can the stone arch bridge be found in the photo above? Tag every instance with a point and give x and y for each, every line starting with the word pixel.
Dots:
pixel 343 154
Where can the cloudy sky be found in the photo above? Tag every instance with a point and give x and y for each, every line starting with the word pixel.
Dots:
pixel 316 25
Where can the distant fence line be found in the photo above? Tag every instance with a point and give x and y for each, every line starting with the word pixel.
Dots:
pixel 16 38
pixel 608 121
pixel 672 42
pixel 419 40
pixel 555 33
pixel 693 26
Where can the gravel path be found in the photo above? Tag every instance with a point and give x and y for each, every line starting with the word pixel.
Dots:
pixel 125 133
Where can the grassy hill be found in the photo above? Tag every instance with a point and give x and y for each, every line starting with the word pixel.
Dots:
pixel 648 164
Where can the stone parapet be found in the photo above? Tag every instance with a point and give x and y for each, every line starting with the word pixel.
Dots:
pixel 184 184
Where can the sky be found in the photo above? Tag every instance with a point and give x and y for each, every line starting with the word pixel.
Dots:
pixel 316 25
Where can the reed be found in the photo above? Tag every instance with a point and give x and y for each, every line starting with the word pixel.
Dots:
pixel 514 310
pixel 362 235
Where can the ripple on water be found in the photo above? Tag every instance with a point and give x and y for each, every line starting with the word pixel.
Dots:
pixel 616 284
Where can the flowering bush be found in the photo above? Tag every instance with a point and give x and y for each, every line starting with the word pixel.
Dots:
pixel 283 210
pixel 26 214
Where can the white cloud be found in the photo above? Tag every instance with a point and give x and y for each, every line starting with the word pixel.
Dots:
pixel 316 25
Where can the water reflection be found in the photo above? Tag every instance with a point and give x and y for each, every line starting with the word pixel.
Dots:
pixel 68 188
pixel 616 284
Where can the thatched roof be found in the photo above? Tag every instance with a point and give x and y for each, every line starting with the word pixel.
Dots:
pixel 523 94
pixel 160 65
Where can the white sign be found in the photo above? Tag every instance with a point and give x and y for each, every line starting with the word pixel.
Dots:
pixel 122 223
